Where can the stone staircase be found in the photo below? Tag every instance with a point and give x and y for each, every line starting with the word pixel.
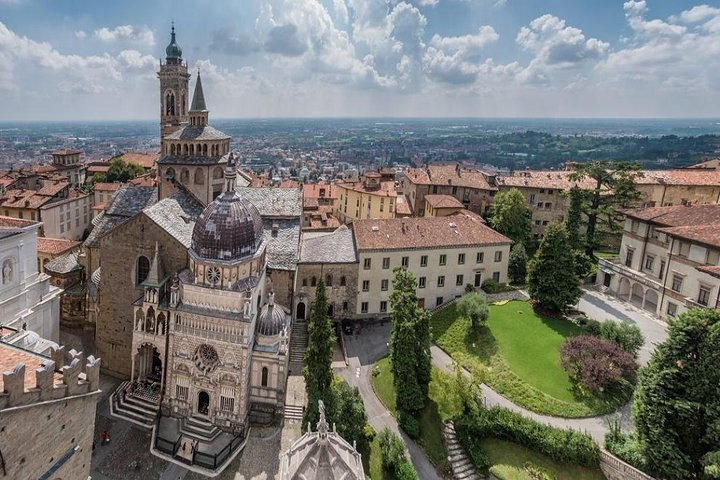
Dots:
pixel 462 466
pixel 133 409
pixel 199 429
pixel 293 413
pixel 298 342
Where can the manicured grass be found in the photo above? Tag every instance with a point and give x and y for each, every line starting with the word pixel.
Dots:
pixel 518 355
pixel 508 460
pixel 372 461
pixel 607 254
pixel 444 403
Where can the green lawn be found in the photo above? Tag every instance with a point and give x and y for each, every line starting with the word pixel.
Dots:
pixel 443 404
pixel 518 355
pixel 507 460
pixel 372 463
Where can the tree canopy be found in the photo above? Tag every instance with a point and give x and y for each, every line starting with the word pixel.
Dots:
pixel 119 171
pixel 552 279
pixel 474 305
pixel 677 403
pixel 511 215
pixel 517 264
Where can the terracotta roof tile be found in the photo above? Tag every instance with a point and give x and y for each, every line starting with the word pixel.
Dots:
pixel 543 179
pixel 386 188
pixel 10 222
pixel 107 186
pixel 696 177
pixel 706 234
pixel 424 232
pixel 319 190
pixel 55 246
pixel 435 174
pixel 677 216
pixel 10 357
pixel 145 160
pixel 443 201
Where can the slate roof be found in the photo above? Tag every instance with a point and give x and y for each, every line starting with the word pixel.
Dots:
pixel 332 247
pixel 282 249
pixel 274 202
pixel 125 204
pixel 176 215
pixel 65 263
pixel 198 101
pixel 424 232
pixel 191 160
pixel 197 132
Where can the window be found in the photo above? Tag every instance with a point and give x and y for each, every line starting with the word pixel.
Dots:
pixel 366 263
pixel 313 281
pixel 438 301
pixel 386 263
pixel 443 259
pixel 345 306
pixel 434 189
pixel 677 282
pixel 304 282
pixel 423 261
pixel 328 280
pixel 264 377
pixel 662 269
pixel 441 281
pixel 343 281
pixel 480 257
pixel 540 204
pixel 383 306
pixel 545 223
pixel 364 307
pixel 649 262
pixel 227 404
pixel 671 309
pixel 684 249
pixel 181 392
pixel 461 259
pixel 548 205
pixel 454 190
pixel 550 192
pixel 496 276
pixel 405 261
pixel 629 257
pixel 634 225
pixel 538 223
pixel 143 268
pixel 366 285
pixel 421 282
pixel 384 285
pixel 542 190
pixel 498 256
pixel 458 280
pixel 704 296
pixel 531 198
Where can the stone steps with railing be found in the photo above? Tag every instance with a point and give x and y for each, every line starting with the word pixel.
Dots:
pixel 199 429
pixel 298 343
pixel 462 466
pixel 125 406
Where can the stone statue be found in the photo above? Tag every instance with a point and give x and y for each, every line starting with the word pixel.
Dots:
pixel 7 272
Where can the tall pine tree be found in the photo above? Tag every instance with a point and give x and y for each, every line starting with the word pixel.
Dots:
pixel 552 280
pixel 318 359
pixel 573 223
pixel 409 345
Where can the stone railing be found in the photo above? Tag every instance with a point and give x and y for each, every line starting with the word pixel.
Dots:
pixel 616 469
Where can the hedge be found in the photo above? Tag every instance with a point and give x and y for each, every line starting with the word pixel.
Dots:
pixel 565 446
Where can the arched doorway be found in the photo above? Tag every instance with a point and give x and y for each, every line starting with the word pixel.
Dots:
pixel 637 295
pixel 331 310
pixel 300 311
pixel 203 403
pixel 651 301
pixel 623 290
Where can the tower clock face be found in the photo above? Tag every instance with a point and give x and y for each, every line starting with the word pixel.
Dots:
pixel 213 274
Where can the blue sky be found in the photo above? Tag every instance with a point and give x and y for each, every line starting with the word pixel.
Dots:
pixel 65 60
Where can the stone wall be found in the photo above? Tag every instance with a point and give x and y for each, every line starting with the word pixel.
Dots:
pixel 616 469
pixel 119 251
pixel 337 294
pixel 282 283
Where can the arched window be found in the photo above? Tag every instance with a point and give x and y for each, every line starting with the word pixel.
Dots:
pixel 142 270
pixel 170 103
pixel 199 177
pixel 170 172
pixel 264 377
pixel 150 320
pixel 304 282
pixel 343 281
pixel 205 149
pixel 217 173
pixel 328 280
pixel 183 96
pixel 313 282
pixel 185 175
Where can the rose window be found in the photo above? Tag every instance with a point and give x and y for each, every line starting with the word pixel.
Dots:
pixel 206 358
pixel 213 274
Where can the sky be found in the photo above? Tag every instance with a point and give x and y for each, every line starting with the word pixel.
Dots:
pixel 97 59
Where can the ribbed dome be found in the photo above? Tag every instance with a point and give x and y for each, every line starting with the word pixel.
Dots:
pixel 272 320
pixel 230 228
pixel 173 50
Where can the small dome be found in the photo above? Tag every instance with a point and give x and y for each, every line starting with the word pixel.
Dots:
pixel 173 50
pixel 272 320
pixel 230 228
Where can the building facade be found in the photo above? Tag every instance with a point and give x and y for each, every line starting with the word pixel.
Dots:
pixel 371 197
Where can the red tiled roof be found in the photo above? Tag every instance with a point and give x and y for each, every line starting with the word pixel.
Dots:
pixel 11 222
pixel 52 189
pixel 312 190
pixel 402 207
pixel 443 201
pixel 551 179
pixel 288 183
pixel 55 246
pixel 435 174
pixel 23 199
pixel 710 269
pixel 10 357
pixel 424 232
pixel 145 160
pixel 706 234
pixel 386 189
pixel 107 186
pixel 677 216
pixel 696 177
pixel 144 181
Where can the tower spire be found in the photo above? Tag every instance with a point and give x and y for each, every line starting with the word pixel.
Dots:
pixel 198 101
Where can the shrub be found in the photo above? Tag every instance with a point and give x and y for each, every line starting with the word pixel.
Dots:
pixel 627 336
pixel 564 446
pixel 469 288
pixel 392 452
pixel 404 470
pixel 490 286
pixel 596 364
pixel 408 423
pixel 369 433
pixel 474 306
pixel 537 472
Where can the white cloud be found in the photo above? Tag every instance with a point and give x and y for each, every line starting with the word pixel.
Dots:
pixel 80 34
pixel 428 3
pixel 341 11
pixel 699 13
pixel 456 59
pixel 141 35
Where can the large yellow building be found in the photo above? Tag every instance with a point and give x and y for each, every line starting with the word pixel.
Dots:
pixel 374 196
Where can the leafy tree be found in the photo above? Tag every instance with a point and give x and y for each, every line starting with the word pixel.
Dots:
pixel 627 336
pixel 677 403
pixel 122 171
pixel 318 359
pixel 613 189
pixel 350 417
pixel 474 305
pixel 596 364
pixel 552 280
pixel 394 461
pixel 573 222
pixel 517 264
pixel 511 215
pixel 409 345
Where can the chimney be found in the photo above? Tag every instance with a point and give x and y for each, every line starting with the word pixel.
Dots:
pixel 275 228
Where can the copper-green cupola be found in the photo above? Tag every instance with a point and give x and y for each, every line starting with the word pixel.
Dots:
pixel 173 51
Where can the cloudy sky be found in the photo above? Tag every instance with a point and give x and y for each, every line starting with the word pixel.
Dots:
pixel 91 59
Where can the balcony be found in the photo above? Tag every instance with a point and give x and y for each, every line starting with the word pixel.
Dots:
pixel 693 303
pixel 615 265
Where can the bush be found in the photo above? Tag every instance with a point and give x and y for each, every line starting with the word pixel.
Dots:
pixel 596 364
pixel 469 288
pixel 474 305
pixel 627 336
pixel 369 433
pixel 392 452
pixel 408 423
pixel 490 286
pixel 405 470
pixel 564 446
pixel 537 472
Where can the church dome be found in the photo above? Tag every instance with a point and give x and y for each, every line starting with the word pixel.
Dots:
pixel 230 228
pixel 173 50
pixel 272 319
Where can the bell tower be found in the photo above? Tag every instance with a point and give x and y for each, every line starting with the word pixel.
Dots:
pixel 174 81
